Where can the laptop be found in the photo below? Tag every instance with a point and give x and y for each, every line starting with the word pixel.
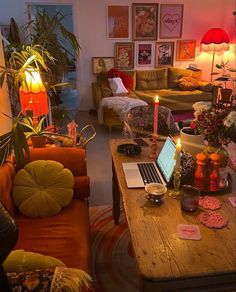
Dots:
pixel 137 174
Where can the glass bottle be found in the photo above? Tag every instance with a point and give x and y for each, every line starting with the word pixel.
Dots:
pixel 214 177
pixel 200 176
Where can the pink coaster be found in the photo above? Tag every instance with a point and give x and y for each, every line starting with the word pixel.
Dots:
pixel 213 219
pixel 210 203
pixel 233 201
pixel 189 232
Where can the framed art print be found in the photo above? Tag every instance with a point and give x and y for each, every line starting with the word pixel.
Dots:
pixel 144 54
pixel 144 21
pixel 185 50
pixel 164 54
pixel 102 64
pixel 124 55
pixel 117 22
pixel 171 21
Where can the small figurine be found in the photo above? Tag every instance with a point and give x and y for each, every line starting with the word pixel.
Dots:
pixel 72 131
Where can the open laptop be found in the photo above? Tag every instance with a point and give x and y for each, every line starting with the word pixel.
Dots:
pixel 137 174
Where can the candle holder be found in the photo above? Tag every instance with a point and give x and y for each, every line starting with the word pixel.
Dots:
pixel 176 191
pixel 153 153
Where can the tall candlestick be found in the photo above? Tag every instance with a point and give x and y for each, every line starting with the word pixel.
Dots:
pixel 177 172
pixel 155 121
pixel 177 155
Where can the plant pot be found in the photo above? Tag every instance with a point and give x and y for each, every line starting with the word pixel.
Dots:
pixel 38 141
pixel 225 94
pixel 191 142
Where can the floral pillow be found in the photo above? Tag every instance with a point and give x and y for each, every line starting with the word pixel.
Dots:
pixel 188 83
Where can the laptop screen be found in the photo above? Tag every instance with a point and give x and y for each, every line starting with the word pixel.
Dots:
pixel 165 159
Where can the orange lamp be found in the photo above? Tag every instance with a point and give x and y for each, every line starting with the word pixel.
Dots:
pixel 33 95
pixel 214 40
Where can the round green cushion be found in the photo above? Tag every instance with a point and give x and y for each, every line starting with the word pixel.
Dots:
pixel 21 261
pixel 42 188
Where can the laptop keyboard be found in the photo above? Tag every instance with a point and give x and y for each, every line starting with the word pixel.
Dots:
pixel 148 172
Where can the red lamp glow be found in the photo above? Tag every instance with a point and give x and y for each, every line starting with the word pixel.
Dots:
pixel 215 40
pixel 33 95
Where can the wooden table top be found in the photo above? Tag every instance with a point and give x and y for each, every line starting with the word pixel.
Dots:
pixel 160 253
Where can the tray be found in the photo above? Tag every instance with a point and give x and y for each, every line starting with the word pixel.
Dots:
pixel 221 191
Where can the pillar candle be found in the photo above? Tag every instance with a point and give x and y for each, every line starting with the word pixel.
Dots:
pixel 177 156
pixel 155 121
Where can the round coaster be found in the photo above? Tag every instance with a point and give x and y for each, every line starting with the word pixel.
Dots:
pixel 213 220
pixel 209 203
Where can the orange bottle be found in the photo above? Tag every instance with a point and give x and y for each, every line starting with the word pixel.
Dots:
pixel 214 177
pixel 200 176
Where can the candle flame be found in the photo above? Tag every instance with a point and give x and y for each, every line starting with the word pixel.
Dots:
pixel 178 141
pixel 157 98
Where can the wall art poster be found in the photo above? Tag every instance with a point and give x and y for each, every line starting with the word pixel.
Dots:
pixel 164 54
pixel 118 22
pixel 144 19
pixel 124 55
pixel 144 54
pixel 102 64
pixel 171 19
pixel 186 50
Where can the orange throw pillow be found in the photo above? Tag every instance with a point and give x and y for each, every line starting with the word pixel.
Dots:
pixel 188 83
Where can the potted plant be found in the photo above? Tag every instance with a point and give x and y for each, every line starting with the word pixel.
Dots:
pixel 225 92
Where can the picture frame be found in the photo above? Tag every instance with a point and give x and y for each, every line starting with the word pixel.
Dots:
pixel 145 54
pixel 124 55
pixel 102 64
pixel 164 54
pixel 171 21
pixel 144 21
pixel 185 50
pixel 118 21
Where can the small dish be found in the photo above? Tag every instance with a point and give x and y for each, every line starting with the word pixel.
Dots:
pixel 155 191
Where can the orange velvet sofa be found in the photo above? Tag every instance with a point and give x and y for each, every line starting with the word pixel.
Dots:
pixel 66 235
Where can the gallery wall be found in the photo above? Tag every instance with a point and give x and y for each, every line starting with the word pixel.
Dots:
pixel 90 27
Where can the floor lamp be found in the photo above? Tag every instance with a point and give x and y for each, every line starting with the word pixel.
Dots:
pixel 215 40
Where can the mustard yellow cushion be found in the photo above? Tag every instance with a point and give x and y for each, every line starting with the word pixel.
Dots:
pixel 21 261
pixel 42 188
pixel 188 83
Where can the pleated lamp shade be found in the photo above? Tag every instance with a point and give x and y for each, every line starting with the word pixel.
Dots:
pixel 214 40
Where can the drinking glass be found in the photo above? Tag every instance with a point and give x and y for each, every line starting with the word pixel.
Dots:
pixel 189 198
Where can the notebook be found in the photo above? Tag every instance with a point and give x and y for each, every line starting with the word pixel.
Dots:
pixel 137 174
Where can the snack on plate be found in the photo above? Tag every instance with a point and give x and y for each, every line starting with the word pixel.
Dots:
pixel 213 219
pixel 210 203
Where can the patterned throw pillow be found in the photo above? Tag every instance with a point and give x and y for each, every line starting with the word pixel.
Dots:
pixel 188 83
pixel 42 188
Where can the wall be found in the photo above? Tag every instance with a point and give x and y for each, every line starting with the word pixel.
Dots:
pixel 90 27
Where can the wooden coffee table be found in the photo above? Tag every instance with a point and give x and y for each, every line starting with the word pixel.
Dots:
pixel 165 261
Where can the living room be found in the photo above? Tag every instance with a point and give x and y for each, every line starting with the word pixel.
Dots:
pixel 91 29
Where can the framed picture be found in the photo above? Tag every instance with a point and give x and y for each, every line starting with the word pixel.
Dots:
pixel 164 54
pixel 144 21
pixel 144 54
pixel 124 55
pixel 186 50
pixel 171 21
pixel 117 22
pixel 102 64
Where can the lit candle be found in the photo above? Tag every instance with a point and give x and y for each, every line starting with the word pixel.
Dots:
pixel 155 121
pixel 177 156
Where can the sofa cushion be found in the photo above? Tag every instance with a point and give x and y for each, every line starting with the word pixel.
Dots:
pixel 65 236
pixel 151 79
pixel 117 86
pixel 174 74
pixel 42 188
pixel 21 260
pixel 188 83
pixel 205 86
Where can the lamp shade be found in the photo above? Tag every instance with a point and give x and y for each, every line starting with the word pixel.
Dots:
pixel 33 94
pixel 215 39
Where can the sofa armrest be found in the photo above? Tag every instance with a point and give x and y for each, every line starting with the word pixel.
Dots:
pixel 97 94
pixel 81 187
pixel 209 87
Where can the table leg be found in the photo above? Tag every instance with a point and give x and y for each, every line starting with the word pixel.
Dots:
pixel 116 197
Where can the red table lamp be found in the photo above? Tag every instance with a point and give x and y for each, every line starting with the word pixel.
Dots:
pixel 33 96
pixel 215 40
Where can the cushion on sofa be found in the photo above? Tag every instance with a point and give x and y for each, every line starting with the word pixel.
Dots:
pixel 151 79
pixel 42 188
pixel 188 83
pixel 21 260
pixel 205 86
pixel 117 86
pixel 174 74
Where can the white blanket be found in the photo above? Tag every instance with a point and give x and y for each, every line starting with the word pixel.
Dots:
pixel 120 104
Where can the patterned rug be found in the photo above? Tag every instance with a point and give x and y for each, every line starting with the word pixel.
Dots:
pixel 115 269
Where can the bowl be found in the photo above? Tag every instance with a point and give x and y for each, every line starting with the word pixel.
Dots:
pixel 155 191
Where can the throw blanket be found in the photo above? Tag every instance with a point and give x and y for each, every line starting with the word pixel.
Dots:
pixel 120 104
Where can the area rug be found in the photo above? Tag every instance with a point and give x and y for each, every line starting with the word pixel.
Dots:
pixel 114 265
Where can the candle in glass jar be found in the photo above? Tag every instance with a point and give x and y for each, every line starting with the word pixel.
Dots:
pixel 177 156
pixel 155 121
